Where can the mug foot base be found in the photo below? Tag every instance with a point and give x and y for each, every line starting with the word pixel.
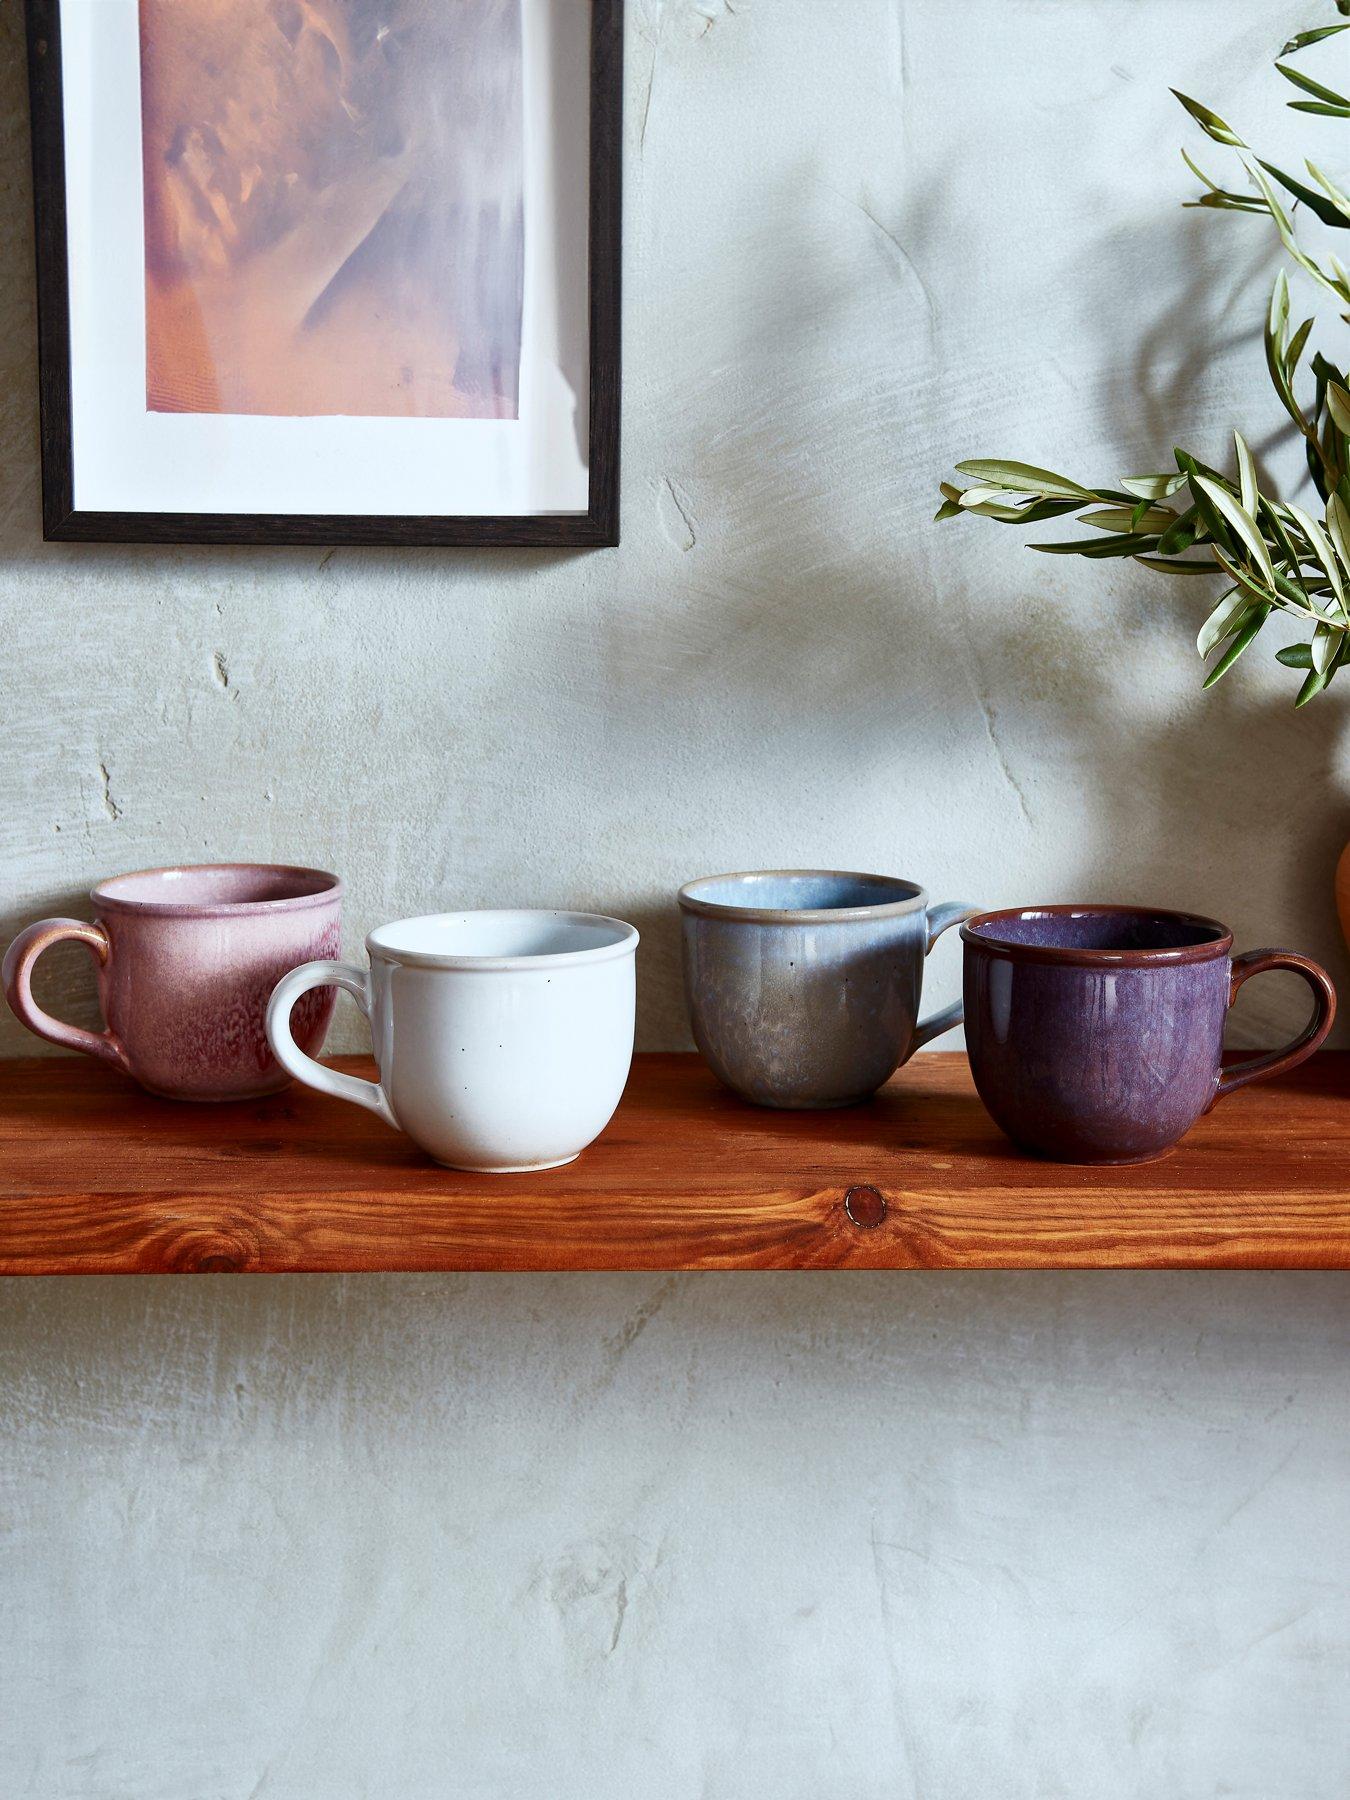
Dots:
pixel 1124 1162
pixel 1096 1162
pixel 532 1168
pixel 256 1093
pixel 806 1105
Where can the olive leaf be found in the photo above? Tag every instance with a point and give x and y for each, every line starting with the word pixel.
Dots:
pixel 1241 521
pixel 1278 312
pixel 1180 536
pixel 1338 528
pixel 1328 95
pixel 1170 565
pixel 1255 618
pixel 977 496
pixel 1023 476
pixel 1325 643
pixel 1322 550
pixel 1210 122
pixel 1280 359
pixel 1248 582
pixel 1217 196
pixel 1222 620
pixel 1029 509
pixel 1152 487
pixel 1139 518
pixel 1220 200
pixel 1290 583
pixel 1284 225
pixel 1326 209
pixel 1337 196
pixel 1305 38
pixel 1096 548
pixel 1295 350
pixel 1246 474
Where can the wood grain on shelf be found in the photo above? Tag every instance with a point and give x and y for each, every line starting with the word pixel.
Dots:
pixel 99 1178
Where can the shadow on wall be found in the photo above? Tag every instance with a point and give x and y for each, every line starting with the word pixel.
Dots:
pixel 1260 789
pixel 662 1017
pixel 1180 343
pixel 1252 792
pixel 1233 806
pixel 828 633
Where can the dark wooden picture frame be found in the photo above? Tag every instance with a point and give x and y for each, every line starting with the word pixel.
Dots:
pixel 598 526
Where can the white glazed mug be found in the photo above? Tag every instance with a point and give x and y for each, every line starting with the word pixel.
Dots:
pixel 503 1039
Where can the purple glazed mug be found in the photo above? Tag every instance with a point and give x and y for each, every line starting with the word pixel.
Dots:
pixel 186 960
pixel 1095 1033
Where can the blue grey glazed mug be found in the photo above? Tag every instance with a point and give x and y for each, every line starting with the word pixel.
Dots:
pixel 803 984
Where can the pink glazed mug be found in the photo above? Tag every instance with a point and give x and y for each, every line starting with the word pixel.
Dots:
pixel 186 961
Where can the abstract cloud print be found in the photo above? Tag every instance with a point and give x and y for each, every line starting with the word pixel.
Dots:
pixel 334 218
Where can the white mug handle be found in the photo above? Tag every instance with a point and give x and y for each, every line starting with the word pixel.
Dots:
pixel 940 919
pixel 304 1068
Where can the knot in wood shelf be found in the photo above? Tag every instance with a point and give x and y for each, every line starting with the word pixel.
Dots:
pixel 866 1206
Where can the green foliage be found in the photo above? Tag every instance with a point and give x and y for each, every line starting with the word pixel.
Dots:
pixel 1277 556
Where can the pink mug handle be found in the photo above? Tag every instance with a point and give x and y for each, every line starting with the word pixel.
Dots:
pixel 17 975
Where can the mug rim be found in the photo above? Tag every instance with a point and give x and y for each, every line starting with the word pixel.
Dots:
pixel 690 900
pixel 1220 945
pixel 104 897
pixel 625 944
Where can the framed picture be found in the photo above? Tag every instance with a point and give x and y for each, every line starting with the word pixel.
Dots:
pixel 325 272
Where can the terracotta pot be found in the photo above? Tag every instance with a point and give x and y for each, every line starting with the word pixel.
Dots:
pixel 1343 892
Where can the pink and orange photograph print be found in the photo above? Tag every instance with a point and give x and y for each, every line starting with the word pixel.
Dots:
pixel 329 272
pixel 334 207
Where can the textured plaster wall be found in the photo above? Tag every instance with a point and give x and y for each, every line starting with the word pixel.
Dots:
pixel 855 1536
pixel 828 1537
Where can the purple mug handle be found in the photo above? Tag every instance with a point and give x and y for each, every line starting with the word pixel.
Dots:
pixel 1276 1062
pixel 17 976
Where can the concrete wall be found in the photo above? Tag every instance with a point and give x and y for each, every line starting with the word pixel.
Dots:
pixel 854 1536
pixel 1062 1537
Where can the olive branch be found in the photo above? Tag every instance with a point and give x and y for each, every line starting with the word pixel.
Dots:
pixel 1277 556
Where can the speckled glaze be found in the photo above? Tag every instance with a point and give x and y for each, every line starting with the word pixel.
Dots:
pixel 803 984
pixel 1095 1033
pixel 503 1039
pixel 186 960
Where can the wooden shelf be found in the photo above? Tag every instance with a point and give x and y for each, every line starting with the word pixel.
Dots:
pixel 98 1178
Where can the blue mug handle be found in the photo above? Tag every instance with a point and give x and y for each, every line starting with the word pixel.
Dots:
pixel 940 919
